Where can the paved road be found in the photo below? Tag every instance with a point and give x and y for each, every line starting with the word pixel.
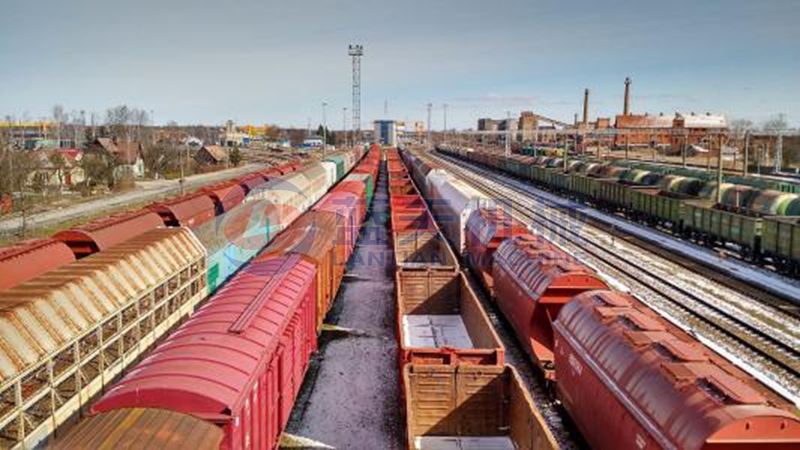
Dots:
pixel 145 190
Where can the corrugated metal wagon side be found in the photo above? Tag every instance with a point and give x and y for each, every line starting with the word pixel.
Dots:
pixel 68 333
pixel 656 386
pixel 533 281
pixel 239 362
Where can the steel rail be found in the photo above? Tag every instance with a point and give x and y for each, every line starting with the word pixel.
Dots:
pixel 769 353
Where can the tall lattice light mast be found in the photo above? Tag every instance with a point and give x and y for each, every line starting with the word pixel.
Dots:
pixel 356 51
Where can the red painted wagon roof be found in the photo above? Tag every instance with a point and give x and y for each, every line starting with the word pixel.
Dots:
pixel 537 263
pixel 252 182
pixel 312 236
pixel 490 223
pixel 690 395
pixel 29 259
pixel 189 210
pixel 228 195
pixel 104 233
pixel 206 367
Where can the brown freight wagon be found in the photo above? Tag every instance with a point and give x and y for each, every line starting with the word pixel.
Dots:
pixel 475 407
pixel 403 186
pixel 424 249
pixel 315 237
pixel 440 321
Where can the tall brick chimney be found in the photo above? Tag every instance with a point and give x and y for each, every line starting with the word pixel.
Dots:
pixel 627 108
pixel 586 106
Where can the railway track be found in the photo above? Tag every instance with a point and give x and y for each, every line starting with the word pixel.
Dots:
pixel 759 336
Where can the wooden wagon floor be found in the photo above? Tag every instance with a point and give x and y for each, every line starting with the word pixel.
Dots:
pixel 463 443
pixel 435 331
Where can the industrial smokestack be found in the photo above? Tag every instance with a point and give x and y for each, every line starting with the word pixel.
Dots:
pixel 627 108
pixel 586 106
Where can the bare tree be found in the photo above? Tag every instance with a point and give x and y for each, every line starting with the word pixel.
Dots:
pixel 776 123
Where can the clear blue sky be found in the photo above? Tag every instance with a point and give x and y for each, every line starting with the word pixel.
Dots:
pixel 275 61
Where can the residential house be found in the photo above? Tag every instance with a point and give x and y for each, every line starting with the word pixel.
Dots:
pixel 64 174
pixel 127 155
pixel 211 155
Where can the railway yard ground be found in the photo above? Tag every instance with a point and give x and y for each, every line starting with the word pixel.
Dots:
pixel 354 373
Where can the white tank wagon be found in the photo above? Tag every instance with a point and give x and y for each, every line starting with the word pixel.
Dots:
pixel 67 334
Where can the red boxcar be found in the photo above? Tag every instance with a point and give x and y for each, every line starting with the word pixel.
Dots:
pixel 190 210
pixel 348 208
pixel 225 196
pixel 238 362
pixel 485 230
pixel 102 234
pixel 29 259
pixel 532 281
pixel 314 236
pixel 359 189
pixel 631 380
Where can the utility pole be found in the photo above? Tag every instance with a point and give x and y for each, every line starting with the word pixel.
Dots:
pixel 356 51
pixel 508 133
pixel 445 121
pixel 719 170
pixel 324 130
pixel 746 152
pixel 344 125
pixel 430 140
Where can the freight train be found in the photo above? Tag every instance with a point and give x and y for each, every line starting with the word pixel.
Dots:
pixel 84 305
pixel 456 390
pixel 626 376
pixel 761 223
pixel 228 376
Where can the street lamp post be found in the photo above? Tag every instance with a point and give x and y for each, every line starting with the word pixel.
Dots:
pixel 324 130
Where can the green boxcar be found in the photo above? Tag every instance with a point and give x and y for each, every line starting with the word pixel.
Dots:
pixel 340 165
pixel 366 179
pixel 655 206
pixel 726 226
pixel 781 238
